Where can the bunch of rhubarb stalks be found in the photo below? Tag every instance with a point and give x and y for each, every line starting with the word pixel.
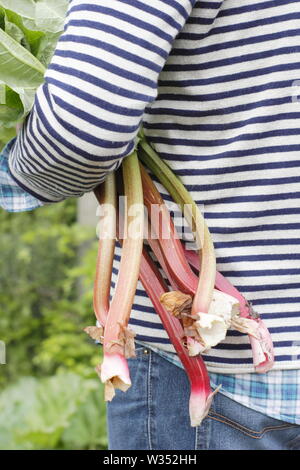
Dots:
pixel 196 306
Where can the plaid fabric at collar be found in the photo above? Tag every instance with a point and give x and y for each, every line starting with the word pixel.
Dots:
pixel 12 197
pixel 275 394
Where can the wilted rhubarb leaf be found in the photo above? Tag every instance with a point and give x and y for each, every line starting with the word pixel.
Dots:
pixel 176 302
pixel 94 332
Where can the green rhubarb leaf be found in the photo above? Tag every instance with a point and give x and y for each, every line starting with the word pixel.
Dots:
pixel 41 15
pixel 11 108
pixel 26 96
pixel 2 18
pixel 2 93
pixel 30 39
pixel 50 15
pixel 16 33
pixel 18 67
pixel 47 47
pixel 6 134
pixel 25 8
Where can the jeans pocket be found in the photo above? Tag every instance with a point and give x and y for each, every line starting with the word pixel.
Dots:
pixel 245 420
pixel 294 444
pixel 257 433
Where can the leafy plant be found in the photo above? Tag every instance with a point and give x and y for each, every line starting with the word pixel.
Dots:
pixel 29 31
pixel 42 314
pixel 65 411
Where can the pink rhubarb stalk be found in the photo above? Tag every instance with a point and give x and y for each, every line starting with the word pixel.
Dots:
pixel 167 245
pixel 118 343
pixel 261 341
pixel 201 394
pixel 205 287
pixel 169 252
pixel 107 197
pixel 212 327
pixel 181 196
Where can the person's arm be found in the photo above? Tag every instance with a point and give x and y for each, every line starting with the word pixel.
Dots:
pixel 103 75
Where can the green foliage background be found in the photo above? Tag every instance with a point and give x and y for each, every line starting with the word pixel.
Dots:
pixel 50 396
pixel 29 31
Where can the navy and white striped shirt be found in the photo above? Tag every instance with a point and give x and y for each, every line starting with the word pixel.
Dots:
pixel 215 85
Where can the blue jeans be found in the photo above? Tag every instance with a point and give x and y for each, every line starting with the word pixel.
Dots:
pixel 153 415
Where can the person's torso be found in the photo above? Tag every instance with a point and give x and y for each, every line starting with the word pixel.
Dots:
pixel 227 120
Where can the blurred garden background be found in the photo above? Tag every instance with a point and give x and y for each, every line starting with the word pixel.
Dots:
pixel 50 396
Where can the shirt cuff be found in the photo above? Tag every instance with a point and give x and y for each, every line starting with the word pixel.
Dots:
pixel 12 197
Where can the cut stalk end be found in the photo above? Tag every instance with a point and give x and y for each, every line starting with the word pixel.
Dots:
pixel 199 405
pixel 114 373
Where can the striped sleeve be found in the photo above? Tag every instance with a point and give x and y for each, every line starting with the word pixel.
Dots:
pixel 103 75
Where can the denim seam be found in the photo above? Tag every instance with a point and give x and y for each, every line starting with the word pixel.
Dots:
pixel 247 431
pixel 267 428
pixel 208 433
pixel 202 435
pixel 149 400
